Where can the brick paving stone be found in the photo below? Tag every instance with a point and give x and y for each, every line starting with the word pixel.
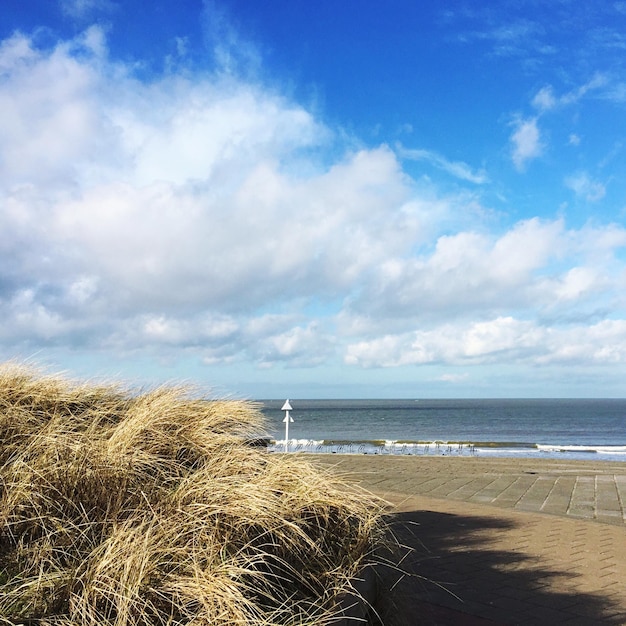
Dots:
pixel 561 561
pixel 468 490
pixel 620 486
pixel 512 494
pixel 583 502
pixel 558 500
pixel 536 494
pixel 447 487
pixel 607 496
pixel 489 493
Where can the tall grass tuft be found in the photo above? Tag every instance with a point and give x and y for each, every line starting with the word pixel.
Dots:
pixel 136 509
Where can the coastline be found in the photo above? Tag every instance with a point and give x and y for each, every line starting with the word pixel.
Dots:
pixel 498 540
pixel 483 449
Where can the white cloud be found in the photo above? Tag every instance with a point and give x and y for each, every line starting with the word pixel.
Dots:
pixel 155 204
pixel 603 343
pixel 538 270
pixel 458 169
pixel 31 318
pixel 231 51
pixel 467 273
pixel 578 282
pixel 512 37
pixel 299 346
pixel 596 82
pixel 208 215
pixel 504 340
pixel 82 9
pixel 478 342
pixel 527 140
pixel 545 100
pixel 203 329
pixel 585 187
pixel 527 143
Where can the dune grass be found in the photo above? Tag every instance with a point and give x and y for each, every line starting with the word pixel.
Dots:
pixel 133 509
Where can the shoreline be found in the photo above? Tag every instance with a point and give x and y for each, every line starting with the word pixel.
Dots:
pixel 513 461
pixel 538 453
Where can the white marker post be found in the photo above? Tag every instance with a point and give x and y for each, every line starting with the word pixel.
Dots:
pixel 288 418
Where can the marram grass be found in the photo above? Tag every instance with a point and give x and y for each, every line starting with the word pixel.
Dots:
pixel 137 509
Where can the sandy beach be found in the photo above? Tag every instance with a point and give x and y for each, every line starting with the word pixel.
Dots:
pixel 498 541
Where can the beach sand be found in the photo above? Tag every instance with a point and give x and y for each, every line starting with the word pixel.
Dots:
pixel 497 541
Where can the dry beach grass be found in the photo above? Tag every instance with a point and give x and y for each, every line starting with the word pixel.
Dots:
pixel 121 508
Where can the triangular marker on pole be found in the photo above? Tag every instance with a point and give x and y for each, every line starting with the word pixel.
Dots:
pixel 288 419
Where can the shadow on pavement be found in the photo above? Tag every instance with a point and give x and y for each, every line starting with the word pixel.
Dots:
pixel 443 570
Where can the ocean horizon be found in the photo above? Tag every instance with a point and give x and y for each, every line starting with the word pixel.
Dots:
pixel 560 428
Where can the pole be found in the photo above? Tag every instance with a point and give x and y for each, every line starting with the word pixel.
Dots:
pixel 288 418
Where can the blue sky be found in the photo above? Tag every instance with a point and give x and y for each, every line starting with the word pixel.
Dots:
pixel 330 199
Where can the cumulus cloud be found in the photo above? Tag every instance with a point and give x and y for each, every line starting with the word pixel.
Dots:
pixel 499 340
pixel 206 214
pixel 467 273
pixel 462 295
pixel 158 202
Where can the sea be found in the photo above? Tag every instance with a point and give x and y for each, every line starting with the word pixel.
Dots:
pixel 588 429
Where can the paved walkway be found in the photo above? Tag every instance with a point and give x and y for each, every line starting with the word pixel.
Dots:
pixel 573 489
pixel 499 541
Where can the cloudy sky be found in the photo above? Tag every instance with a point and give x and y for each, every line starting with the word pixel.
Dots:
pixel 317 199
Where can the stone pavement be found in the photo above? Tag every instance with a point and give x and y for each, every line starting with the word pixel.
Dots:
pixel 498 541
